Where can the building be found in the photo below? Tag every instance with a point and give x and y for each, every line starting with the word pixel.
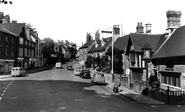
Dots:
pixel 83 50
pixel 4 18
pixel 139 69
pixel 26 46
pixel 8 46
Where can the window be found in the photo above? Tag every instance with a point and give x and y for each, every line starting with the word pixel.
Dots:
pixel 7 51
pixel 133 57
pixel 1 50
pixel 26 42
pixel 29 52
pixel 29 43
pixel 0 37
pixel 20 40
pixel 25 51
pixel 7 39
pixel 13 51
pixel 20 51
pixel 32 53
pixel 13 40
pixel 171 79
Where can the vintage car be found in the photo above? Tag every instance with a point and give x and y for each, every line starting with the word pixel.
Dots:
pixel 98 77
pixel 18 71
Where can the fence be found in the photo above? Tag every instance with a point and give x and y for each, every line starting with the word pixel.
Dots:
pixel 168 96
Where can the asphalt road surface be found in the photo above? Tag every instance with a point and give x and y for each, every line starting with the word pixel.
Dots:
pixel 59 90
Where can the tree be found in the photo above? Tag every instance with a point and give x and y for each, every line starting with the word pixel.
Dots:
pixel 104 61
pixel 117 58
pixel 48 49
pixel 88 62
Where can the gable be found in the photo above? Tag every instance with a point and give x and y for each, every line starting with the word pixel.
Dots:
pixel 139 40
pixel 15 28
pixel 174 46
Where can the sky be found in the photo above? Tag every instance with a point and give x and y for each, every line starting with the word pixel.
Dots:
pixel 72 19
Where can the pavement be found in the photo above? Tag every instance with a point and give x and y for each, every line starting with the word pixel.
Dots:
pixel 138 97
pixel 5 76
pixel 123 91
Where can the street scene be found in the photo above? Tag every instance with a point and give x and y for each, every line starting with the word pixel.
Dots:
pixel 59 90
pixel 92 56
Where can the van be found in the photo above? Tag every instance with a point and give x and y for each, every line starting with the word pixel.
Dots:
pixel 58 65
pixel 18 71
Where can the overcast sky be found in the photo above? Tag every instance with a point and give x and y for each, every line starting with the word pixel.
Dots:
pixel 72 19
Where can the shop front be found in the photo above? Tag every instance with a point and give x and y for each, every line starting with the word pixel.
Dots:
pixel 20 62
pixel 6 65
pixel 32 62
pixel 26 63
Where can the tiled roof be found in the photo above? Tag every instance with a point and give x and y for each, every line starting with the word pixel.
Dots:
pixel 6 31
pixel 174 46
pixel 87 44
pixel 121 42
pixel 95 49
pixel 15 28
pixel 139 40
pixel 107 41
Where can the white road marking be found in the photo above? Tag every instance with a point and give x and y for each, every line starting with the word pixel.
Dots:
pixel 5 90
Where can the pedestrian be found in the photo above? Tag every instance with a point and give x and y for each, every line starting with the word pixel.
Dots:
pixel 117 84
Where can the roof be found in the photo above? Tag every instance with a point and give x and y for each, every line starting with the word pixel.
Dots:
pixel 121 42
pixel 95 49
pixel 87 44
pixel 174 46
pixel 107 41
pixel 15 28
pixel 6 31
pixel 139 40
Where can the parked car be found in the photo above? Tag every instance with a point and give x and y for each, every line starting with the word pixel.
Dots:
pixel 58 65
pixel 70 67
pixel 98 77
pixel 77 70
pixel 18 71
pixel 85 73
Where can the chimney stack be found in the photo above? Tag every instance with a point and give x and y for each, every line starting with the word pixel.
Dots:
pixel 139 28
pixel 148 28
pixel 173 19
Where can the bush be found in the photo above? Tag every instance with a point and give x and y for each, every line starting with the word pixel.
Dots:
pixel 106 69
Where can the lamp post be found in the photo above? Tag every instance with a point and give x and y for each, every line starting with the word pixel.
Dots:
pixel 114 32
pixel 146 56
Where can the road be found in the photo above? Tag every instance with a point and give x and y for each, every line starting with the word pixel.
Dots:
pixel 59 90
